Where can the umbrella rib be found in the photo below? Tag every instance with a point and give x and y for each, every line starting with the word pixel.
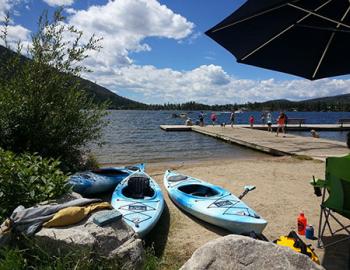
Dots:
pixel 319 15
pixel 281 33
pixel 329 43
pixel 324 28
pixel 248 18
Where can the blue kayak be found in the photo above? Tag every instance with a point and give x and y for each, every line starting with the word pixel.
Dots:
pixel 212 204
pixel 101 180
pixel 140 200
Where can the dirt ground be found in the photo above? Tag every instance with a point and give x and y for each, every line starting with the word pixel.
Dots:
pixel 282 191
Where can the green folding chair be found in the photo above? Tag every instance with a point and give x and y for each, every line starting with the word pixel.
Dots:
pixel 337 185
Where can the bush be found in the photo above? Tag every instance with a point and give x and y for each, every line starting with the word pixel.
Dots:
pixel 152 262
pixel 27 179
pixel 43 107
pixel 90 163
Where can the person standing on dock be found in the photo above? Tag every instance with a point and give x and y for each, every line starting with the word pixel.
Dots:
pixel 232 118
pixel 281 122
pixel 251 121
pixel 269 122
pixel 213 118
pixel 201 119
pixel 263 118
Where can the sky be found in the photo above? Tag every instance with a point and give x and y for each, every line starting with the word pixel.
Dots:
pixel 156 51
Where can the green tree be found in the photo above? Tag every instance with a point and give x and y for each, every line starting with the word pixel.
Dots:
pixel 43 108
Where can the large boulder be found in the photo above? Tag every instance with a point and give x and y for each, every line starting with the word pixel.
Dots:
pixel 115 241
pixel 237 252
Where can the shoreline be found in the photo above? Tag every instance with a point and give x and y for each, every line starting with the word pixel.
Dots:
pixel 181 163
pixel 282 191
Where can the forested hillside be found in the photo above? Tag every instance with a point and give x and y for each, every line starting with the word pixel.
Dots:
pixel 98 92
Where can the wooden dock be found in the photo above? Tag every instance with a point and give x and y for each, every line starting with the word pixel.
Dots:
pixel 268 142
pixel 308 127
pixel 176 128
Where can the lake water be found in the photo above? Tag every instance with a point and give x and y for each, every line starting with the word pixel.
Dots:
pixel 135 136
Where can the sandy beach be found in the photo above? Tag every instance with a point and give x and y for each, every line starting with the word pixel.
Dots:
pixel 282 191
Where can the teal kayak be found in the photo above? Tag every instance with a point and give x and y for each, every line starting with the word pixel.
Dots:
pixel 212 204
pixel 101 180
pixel 140 200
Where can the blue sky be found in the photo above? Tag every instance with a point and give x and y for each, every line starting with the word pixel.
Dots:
pixel 156 51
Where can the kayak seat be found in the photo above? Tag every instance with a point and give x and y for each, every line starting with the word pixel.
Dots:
pixel 198 190
pixel 177 178
pixel 138 188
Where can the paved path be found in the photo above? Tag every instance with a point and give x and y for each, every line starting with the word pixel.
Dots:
pixel 269 143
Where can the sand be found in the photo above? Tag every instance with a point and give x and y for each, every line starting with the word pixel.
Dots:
pixel 282 191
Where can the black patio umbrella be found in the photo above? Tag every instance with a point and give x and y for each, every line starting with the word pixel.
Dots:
pixel 307 38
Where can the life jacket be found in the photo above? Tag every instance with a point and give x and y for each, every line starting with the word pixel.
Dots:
pixel 294 242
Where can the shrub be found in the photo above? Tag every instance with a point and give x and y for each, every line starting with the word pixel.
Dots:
pixel 90 163
pixel 27 179
pixel 43 107
pixel 152 262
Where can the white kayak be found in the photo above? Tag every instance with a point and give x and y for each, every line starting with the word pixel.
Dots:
pixel 140 200
pixel 212 204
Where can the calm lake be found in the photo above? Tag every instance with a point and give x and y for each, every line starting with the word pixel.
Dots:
pixel 135 136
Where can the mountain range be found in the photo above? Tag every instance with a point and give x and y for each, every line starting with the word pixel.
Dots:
pixel 100 93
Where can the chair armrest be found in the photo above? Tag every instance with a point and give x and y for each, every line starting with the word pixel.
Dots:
pixel 318 183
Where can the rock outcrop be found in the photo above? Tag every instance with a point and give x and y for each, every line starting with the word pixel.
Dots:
pixel 116 241
pixel 236 252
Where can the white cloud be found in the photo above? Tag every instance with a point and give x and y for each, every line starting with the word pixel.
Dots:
pixel 8 5
pixel 124 24
pixel 209 84
pixel 54 3
pixel 70 10
pixel 15 32
pixel 18 33
pixel 5 6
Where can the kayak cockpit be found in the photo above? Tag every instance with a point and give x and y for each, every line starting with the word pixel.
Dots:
pixel 138 187
pixel 198 190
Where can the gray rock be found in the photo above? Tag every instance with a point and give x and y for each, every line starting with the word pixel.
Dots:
pixel 237 252
pixel 116 241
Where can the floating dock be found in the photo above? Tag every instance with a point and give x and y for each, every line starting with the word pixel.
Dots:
pixel 268 142
pixel 176 128
pixel 304 127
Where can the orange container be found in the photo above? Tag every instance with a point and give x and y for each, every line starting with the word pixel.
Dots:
pixel 301 223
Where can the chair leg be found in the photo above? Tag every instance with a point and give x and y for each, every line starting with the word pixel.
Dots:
pixel 327 213
pixel 319 239
pixel 324 212
pixel 341 225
